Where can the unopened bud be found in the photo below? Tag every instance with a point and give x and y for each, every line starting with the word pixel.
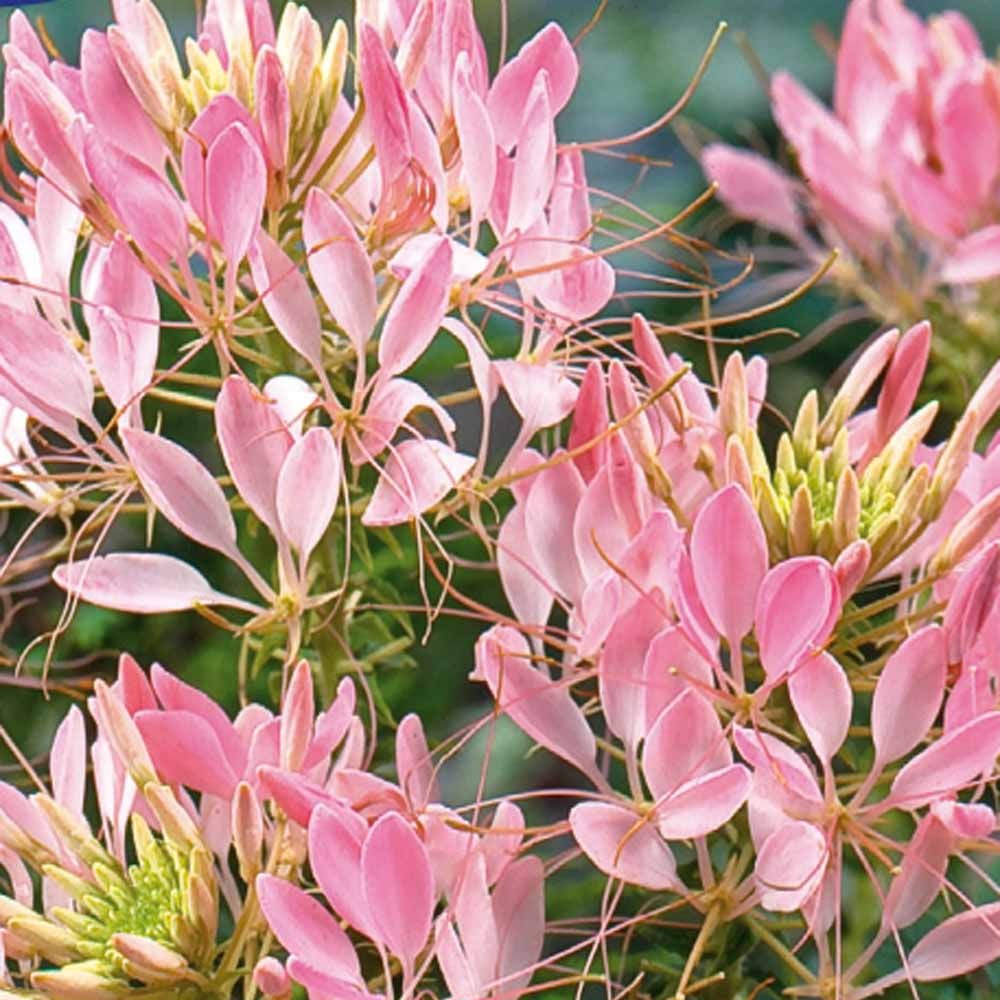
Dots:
pixel 626 407
pixel 951 464
pixel 883 539
pixel 78 981
pixel 902 446
pixel 769 508
pixel 57 944
pixel 846 509
pixel 177 826
pixel 806 425
pixel 124 735
pixel 851 566
pixel 271 979
pixel 860 378
pixel 975 526
pixel 248 831
pixel 911 498
pixel 150 961
pixel 297 713
pixel 738 465
pixel 332 69
pixel 155 102
pixel 734 401
pixel 784 458
pixel 800 522
pixel 412 50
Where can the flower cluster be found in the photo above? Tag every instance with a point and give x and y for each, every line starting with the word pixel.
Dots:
pixel 760 668
pixel 901 176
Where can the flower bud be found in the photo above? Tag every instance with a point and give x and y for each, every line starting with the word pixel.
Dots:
pixel 738 465
pixel 248 831
pixel 57 944
pixel 178 827
pixel 274 112
pixel 966 535
pixel 332 70
pixel 271 979
pixel 846 509
pixel 806 424
pixel 800 522
pixel 124 736
pixel 149 960
pixel 78 981
pixel 951 464
pixel 734 401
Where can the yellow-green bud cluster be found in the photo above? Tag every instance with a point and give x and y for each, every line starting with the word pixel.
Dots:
pixel 149 926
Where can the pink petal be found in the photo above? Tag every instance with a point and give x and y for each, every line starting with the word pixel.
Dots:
pixel 540 393
pixel 685 743
pixel 274 111
pixel 140 583
pixel 389 405
pixel 414 766
pixel 921 874
pixel 336 837
pixel 822 699
pixel 590 421
pixel 305 928
pixel 752 187
pixel 555 494
pixel 182 489
pixel 255 444
pixel 528 592
pixel 549 50
pixel 705 804
pixel 332 725
pixel 797 606
pixel 958 945
pixel 672 665
pixel 308 488
pixel 902 380
pixel 187 752
pixel 341 267
pixel 286 296
pixel 621 673
pixel 416 312
pixel 790 866
pixel 419 474
pixel 519 911
pixel 624 845
pixel 146 205
pixel 68 762
pixel 535 160
pixel 298 709
pixel 914 677
pixel 386 105
pixel 729 560
pixel 398 886
pixel 948 764
pixel 235 188
pixel 475 137
pixel 974 259
pixel 544 710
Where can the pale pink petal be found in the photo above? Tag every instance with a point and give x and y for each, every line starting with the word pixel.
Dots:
pixel 235 188
pixel 340 266
pixel 398 886
pixel 543 709
pixel 519 911
pixel 621 676
pixel 729 560
pixel 336 837
pixel 416 312
pixel 386 105
pixel 389 405
pixel 555 495
pixel 921 874
pixel 305 928
pixel 902 380
pixel 255 444
pixel 540 393
pixel 535 159
pixel 286 296
pixel 475 137
pixel 138 582
pixel 914 677
pixel 790 866
pixel 525 586
pixel 414 766
pixel 590 422
pixel 186 751
pixel 752 187
pixel 705 804
pixel 68 762
pixel 624 845
pixel 974 259
pixel 182 489
pixel 308 488
pixel 549 50
pixel 958 945
pixel 672 665
pixel 797 606
pixel 297 711
pixel 948 764
pixel 419 474
pixel 685 743
pixel 822 699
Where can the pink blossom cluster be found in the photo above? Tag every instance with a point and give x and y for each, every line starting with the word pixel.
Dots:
pixel 761 678
pixel 901 175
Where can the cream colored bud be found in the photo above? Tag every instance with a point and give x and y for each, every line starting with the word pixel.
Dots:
pixel 968 533
pixel 800 523
pixel 951 464
pixel 248 831
pixel 846 509
pixel 738 465
pixel 333 69
pixel 124 735
pixel 55 943
pixel 784 458
pixel 907 506
pixel 806 426
pixel 902 446
pixel 734 399
pixel 78 981
pixel 177 826
pixel 150 960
